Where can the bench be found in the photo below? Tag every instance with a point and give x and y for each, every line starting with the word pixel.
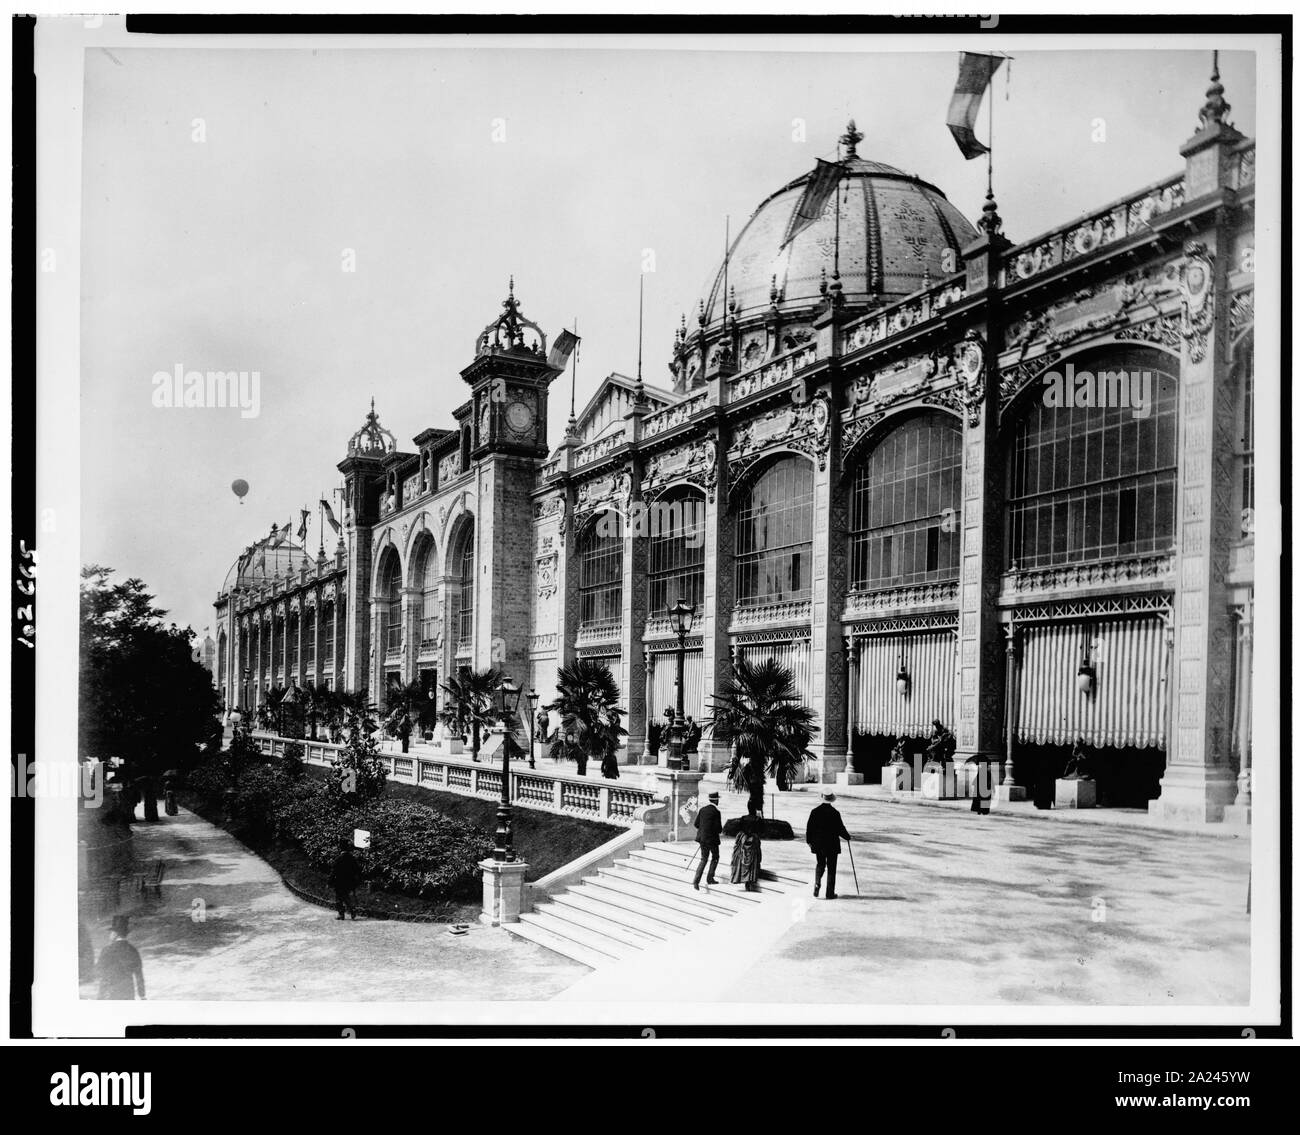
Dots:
pixel 151 877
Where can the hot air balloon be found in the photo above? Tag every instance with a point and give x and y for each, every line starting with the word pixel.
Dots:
pixel 240 488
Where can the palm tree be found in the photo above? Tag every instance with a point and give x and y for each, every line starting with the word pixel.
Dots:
pixel 758 713
pixel 591 722
pixel 474 692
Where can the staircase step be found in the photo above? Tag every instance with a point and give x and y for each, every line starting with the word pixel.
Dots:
pixel 694 914
pixel 586 901
pixel 683 852
pixel 658 890
pixel 614 894
pixel 556 944
pixel 597 924
pixel 579 935
pixel 728 897
pixel 670 867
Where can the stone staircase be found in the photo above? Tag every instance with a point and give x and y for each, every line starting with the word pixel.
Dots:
pixel 639 903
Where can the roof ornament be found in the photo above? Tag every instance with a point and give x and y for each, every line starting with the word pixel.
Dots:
pixel 850 139
pixel 372 440
pixel 511 330
pixel 1216 108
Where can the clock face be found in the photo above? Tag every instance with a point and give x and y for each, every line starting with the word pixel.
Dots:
pixel 520 417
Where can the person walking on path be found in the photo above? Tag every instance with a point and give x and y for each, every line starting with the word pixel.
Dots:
pixel 404 732
pixel 344 876
pixel 747 854
pixel 121 976
pixel 708 834
pixel 825 830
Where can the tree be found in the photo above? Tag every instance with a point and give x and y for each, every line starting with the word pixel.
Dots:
pixel 591 722
pixel 474 692
pixel 142 696
pixel 413 699
pixel 759 714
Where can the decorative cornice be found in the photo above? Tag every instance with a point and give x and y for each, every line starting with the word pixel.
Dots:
pixel 1146 570
pixel 797 611
pixel 871 604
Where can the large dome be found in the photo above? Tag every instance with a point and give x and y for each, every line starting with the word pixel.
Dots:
pixel 894 230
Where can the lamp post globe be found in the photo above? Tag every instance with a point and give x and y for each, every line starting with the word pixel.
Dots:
pixel 532 697
pixel 681 617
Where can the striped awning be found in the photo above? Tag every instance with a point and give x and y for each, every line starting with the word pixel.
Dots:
pixel 1126 707
pixel 662 683
pixel 795 655
pixel 931 662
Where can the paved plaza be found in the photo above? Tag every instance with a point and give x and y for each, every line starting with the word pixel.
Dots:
pixel 954 909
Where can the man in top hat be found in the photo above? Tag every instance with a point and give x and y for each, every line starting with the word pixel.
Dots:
pixel 708 834
pixel 120 971
pixel 825 830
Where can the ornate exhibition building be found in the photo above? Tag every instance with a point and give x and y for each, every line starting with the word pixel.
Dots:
pixel 937 474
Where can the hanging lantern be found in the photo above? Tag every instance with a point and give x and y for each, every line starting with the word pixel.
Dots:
pixel 1086 677
pixel 903 681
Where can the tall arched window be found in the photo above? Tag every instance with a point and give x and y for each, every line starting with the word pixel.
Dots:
pixel 295 629
pixel 676 568
pixel 327 617
pixel 1245 366
pixel 466 574
pixel 1088 482
pixel 426 602
pixel 390 591
pixel 774 528
pixel 905 506
pixel 600 579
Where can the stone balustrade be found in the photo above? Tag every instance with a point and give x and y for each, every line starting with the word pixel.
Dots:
pixel 1125 218
pixel 547 790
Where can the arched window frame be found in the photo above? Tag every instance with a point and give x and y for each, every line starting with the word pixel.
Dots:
pixel 675 559
pixel 600 572
pixel 905 505
pixel 465 573
pixel 774 565
pixel 1092 487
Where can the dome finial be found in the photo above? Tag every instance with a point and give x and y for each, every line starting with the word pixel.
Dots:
pixel 1216 108
pixel 850 139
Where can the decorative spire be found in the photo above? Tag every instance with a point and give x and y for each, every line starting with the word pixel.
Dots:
pixel 850 139
pixel 1216 108
pixel 773 295
pixel 639 398
pixel 990 222
pixel 371 440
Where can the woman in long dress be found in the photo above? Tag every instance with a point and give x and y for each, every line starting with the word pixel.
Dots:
pixel 747 854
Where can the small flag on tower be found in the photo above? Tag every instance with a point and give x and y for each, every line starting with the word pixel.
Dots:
pixel 329 515
pixel 302 527
pixel 561 349
pixel 974 73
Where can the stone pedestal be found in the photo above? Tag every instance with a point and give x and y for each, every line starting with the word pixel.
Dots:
pixel 937 785
pixel 1010 793
pixel 850 778
pixel 1195 795
pixel 678 786
pixel 1076 793
pixel 503 891
pixel 897 778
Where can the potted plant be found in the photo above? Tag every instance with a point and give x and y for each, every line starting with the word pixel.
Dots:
pixel 591 721
pixel 758 713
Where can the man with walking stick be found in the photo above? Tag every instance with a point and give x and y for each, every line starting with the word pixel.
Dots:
pixel 708 834
pixel 825 830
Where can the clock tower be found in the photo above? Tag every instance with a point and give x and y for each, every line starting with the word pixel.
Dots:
pixel 508 379
pixel 506 418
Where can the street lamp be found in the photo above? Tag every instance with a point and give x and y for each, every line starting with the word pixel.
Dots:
pixel 532 697
pixel 680 617
pixel 247 675
pixel 504 852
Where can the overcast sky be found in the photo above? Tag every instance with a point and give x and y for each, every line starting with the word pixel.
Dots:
pixel 228 253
